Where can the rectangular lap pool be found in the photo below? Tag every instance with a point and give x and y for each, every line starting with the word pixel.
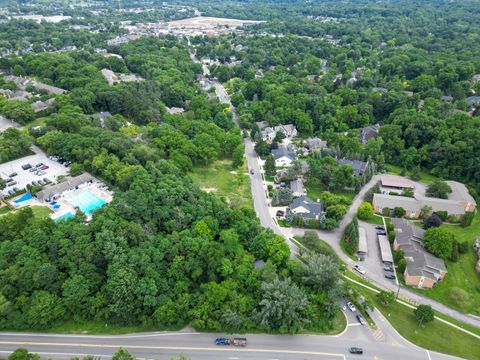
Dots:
pixel 86 201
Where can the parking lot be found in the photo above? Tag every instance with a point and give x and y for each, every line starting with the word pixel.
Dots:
pixel 25 177
pixel 373 264
pixel 6 123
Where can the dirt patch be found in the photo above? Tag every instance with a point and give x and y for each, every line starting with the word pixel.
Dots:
pixel 209 190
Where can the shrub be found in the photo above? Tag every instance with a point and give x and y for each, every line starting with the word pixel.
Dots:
pixel 432 221
pixel 443 215
pixel 402 265
pixel 424 314
pixel 453 219
pixel 463 247
pixel 365 211
pixel 467 218
pixel 386 212
pixel 398 255
pixel 350 237
pixel 391 236
pixel 398 211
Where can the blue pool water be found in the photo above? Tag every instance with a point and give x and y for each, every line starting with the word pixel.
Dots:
pixel 25 197
pixel 87 201
pixel 64 217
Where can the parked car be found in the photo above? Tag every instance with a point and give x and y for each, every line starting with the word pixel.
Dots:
pixel 11 192
pixel 67 163
pixel 26 166
pixel 9 180
pixel 39 164
pixel 355 350
pixel 388 268
pixel 34 183
pixel 40 173
pixel 380 232
pixel 32 169
pixel 46 180
pixel 12 183
pixel 251 171
pixel 359 269
pixel 351 306
pixel 390 276
pixel 13 174
pixel 222 341
pixel 280 213
pixel 15 189
pixel 44 167
pixel 40 182
pixel 378 227
pixel 361 319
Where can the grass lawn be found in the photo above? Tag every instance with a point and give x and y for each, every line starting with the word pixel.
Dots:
pixel 461 274
pixel 375 220
pixel 219 178
pixel 434 336
pixel 314 192
pixel 4 210
pixel 41 211
pixel 424 176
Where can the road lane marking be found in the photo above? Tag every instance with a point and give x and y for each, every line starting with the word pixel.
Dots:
pixel 98 336
pixel 428 354
pixel 354 324
pixel 180 348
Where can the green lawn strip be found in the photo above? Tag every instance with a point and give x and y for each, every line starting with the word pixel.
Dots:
pixel 435 336
pixel 424 176
pixel 5 210
pixel 375 220
pixel 314 192
pixel 221 179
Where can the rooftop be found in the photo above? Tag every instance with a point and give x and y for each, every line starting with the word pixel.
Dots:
pixel 396 181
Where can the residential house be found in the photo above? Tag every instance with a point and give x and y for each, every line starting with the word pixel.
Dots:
pixel 447 98
pixel 269 133
pixel 284 156
pixel 306 208
pixel 459 201
pixel 313 144
pixel 423 269
pixel 42 105
pixel 359 167
pixel 297 188
pixel 473 101
pixel 369 132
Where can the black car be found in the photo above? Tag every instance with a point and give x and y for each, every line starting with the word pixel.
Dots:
pixel 381 233
pixel 13 174
pixel 380 228
pixel 26 166
pixel 34 183
pixel 12 183
pixel 46 180
pixel 280 213
pixel 361 319
pixel 355 350
pixel 390 276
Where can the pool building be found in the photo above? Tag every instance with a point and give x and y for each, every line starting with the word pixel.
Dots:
pixel 82 192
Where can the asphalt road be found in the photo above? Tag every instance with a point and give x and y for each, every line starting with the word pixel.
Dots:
pixel 382 343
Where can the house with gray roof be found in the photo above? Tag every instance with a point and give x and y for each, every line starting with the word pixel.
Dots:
pixel 423 269
pixel 283 156
pixel 297 187
pixel 306 208
pixel 473 101
pixel 369 132
pixel 312 145
pixel 359 167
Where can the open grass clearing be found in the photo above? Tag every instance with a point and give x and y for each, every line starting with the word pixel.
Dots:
pixel 233 186
pixel 424 176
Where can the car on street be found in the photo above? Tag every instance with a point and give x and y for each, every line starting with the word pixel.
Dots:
pixel 388 268
pixel 381 232
pixel 355 350
pixel 359 269
pixel 251 171
pixel 361 319
pixel 222 341
pixel 390 276
pixel 379 228
pixel 351 306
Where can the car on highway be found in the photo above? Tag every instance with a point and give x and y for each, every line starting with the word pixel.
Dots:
pixel 359 269
pixel 222 341
pixel 351 306
pixel 390 276
pixel 355 350
pixel 361 319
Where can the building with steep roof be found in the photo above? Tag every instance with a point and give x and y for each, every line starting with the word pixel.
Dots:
pixel 423 269
pixel 306 208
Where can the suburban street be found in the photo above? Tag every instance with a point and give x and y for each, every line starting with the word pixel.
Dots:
pixel 332 237
pixel 380 344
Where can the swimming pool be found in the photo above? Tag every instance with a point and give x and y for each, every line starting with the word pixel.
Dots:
pixel 64 217
pixel 86 201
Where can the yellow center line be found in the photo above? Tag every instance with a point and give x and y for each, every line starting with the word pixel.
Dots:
pixel 184 348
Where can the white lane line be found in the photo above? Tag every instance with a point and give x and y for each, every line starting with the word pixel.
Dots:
pixel 354 324
pixel 233 358
pixel 428 354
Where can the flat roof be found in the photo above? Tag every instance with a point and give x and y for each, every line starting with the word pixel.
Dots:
pixel 395 181
pixel 362 241
pixel 385 249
